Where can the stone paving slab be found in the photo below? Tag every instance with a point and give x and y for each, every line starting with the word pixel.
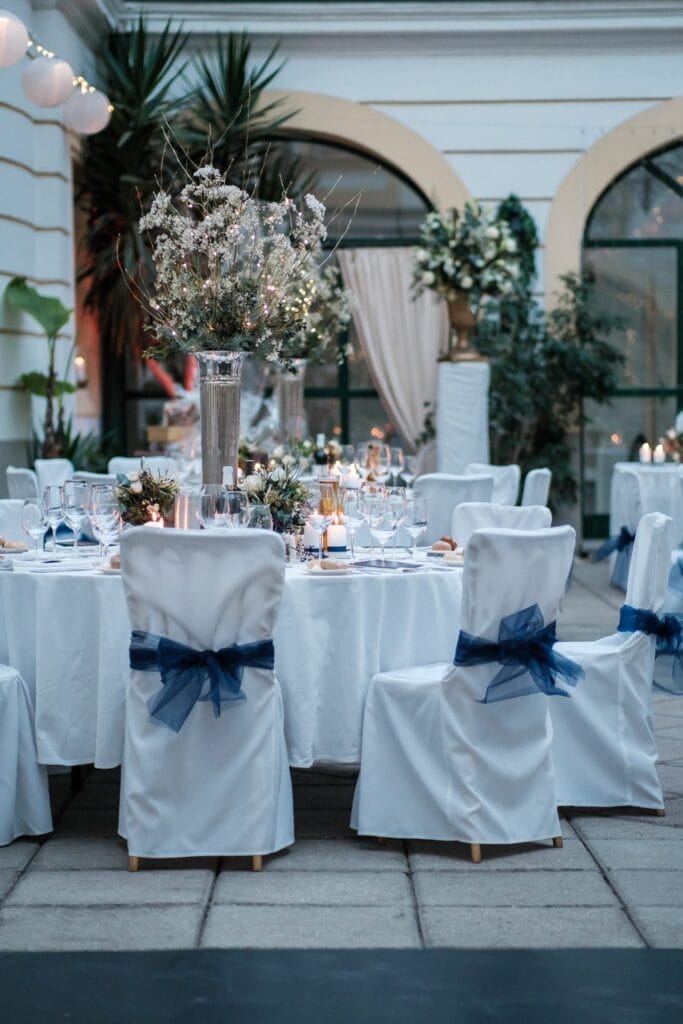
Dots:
pixel 319 888
pixel 111 888
pixel 88 853
pixel 311 928
pixel 599 826
pixel 513 888
pixel 426 856
pixel 664 855
pixel 650 888
pixel 18 854
pixel 8 879
pixel 339 855
pixel 661 926
pixel 111 928
pixel 528 928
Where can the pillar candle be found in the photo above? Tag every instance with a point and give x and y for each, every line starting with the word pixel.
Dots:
pixel 336 538
pixel 645 453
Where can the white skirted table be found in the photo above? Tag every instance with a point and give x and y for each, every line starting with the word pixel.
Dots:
pixel 67 634
pixel 638 488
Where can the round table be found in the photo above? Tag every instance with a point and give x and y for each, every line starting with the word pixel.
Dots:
pixel 67 633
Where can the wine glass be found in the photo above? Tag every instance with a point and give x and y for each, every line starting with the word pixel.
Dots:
pixel 381 461
pixel 416 519
pixel 408 469
pixel 395 463
pixel 396 499
pixel 260 517
pixel 105 518
pixel 352 510
pixel 380 519
pixel 53 503
pixel 212 506
pixel 33 522
pixel 363 452
pixel 76 505
pixel 322 502
pixel 236 507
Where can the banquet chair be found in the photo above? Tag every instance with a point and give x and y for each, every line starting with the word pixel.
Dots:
pixel 536 487
pixel 483 515
pixel 216 782
pixel 445 491
pixel 52 472
pixel 442 758
pixel 603 746
pixel 10 519
pixel 124 465
pixel 95 478
pixel 24 796
pixel 21 482
pixel 505 480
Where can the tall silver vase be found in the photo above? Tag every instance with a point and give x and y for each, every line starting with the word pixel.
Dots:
pixel 290 401
pixel 220 375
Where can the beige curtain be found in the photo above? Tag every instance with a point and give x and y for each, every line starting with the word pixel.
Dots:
pixel 401 337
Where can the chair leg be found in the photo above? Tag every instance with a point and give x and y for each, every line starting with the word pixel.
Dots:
pixel 257 862
pixel 133 863
pixel 660 812
pixel 557 842
pixel 382 840
pixel 475 852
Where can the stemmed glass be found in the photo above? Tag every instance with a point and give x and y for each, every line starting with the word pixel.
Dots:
pixel 213 506
pixel 381 461
pixel 396 464
pixel 236 507
pixel 363 454
pixel 75 507
pixel 380 519
pixel 53 504
pixel 396 499
pixel 416 519
pixel 322 502
pixel 408 469
pixel 33 522
pixel 352 510
pixel 105 518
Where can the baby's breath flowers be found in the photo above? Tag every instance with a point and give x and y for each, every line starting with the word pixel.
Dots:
pixel 474 253
pixel 326 310
pixel 228 267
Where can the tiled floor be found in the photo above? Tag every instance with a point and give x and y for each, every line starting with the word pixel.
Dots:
pixel 616 882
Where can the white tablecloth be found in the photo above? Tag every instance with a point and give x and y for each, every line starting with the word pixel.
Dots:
pixel 68 636
pixel 639 488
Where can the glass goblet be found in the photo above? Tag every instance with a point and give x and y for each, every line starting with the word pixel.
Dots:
pixel 396 464
pixel 53 503
pixel 33 522
pixel 381 462
pixel 236 508
pixel 352 511
pixel 408 469
pixel 260 517
pixel 212 506
pixel 382 524
pixel 76 504
pixel 416 519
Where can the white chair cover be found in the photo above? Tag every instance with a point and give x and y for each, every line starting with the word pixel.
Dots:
pixel 604 747
pixel 10 519
pixel 155 463
pixel 52 472
pixel 220 786
pixel 505 480
pixel 438 764
pixel 536 487
pixel 21 483
pixel 24 796
pixel 444 491
pixel 482 515
pixel 95 478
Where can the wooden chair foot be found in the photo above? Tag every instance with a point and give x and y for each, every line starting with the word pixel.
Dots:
pixel 133 863
pixel 382 840
pixel 660 812
pixel 257 862
pixel 475 853
pixel 557 841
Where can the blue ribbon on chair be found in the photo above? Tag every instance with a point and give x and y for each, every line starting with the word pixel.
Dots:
pixel 188 675
pixel 623 545
pixel 668 630
pixel 524 648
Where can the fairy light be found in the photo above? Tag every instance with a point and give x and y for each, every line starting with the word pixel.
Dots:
pixel 80 82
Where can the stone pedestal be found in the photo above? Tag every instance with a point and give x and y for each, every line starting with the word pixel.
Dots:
pixel 462 415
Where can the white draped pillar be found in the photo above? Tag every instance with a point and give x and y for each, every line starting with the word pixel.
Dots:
pixel 462 416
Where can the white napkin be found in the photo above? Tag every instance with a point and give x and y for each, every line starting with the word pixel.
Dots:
pixel 62 567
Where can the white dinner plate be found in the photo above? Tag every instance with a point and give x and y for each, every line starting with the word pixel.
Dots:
pixel 13 551
pixel 108 570
pixel 314 569
pixel 61 567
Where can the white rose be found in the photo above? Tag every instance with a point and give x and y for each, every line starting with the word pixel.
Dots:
pixel 428 278
pixel 288 460
pixel 251 482
pixel 133 476
pixel 136 487
pixel 422 256
pixel 466 282
pixel 278 452
pixel 509 245
pixel 492 233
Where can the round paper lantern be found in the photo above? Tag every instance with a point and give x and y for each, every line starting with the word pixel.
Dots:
pixel 13 39
pixel 48 81
pixel 86 112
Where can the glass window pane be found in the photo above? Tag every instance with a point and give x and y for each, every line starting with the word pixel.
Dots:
pixel 639 286
pixel 639 205
pixel 324 417
pixel 325 376
pixel 671 162
pixel 614 434
pixel 368 419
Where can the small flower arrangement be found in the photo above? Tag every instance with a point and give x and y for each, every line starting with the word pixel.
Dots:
pixel 283 492
pixel 326 310
pixel 294 455
pixel 474 253
pixel 146 496
pixel 672 441
pixel 228 267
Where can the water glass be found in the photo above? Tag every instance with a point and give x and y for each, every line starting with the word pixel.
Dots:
pixel 212 506
pixel 322 501
pixel 382 523
pixel 76 506
pixel 236 507
pixel 105 518
pixel 33 522
pixel 408 469
pixel 352 510
pixel 416 519
pixel 53 504
pixel 396 463
pixel 260 518
pixel 381 462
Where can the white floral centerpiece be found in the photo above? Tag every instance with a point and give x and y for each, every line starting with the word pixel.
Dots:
pixel 474 252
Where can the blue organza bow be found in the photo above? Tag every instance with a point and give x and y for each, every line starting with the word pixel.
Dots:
pixel 524 648
pixel 668 629
pixel 188 675
pixel 623 545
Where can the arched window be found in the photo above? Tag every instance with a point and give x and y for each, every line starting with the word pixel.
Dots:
pixel 633 244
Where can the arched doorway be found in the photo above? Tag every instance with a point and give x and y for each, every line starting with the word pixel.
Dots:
pixel 633 244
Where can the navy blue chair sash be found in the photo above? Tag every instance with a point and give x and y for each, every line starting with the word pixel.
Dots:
pixel 623 545
pixel 524 648
pixel 189 676
pixel 668 630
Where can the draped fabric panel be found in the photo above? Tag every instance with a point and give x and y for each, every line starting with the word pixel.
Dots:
pixel 401 337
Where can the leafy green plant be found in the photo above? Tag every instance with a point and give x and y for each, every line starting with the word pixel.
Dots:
pixel 52 315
